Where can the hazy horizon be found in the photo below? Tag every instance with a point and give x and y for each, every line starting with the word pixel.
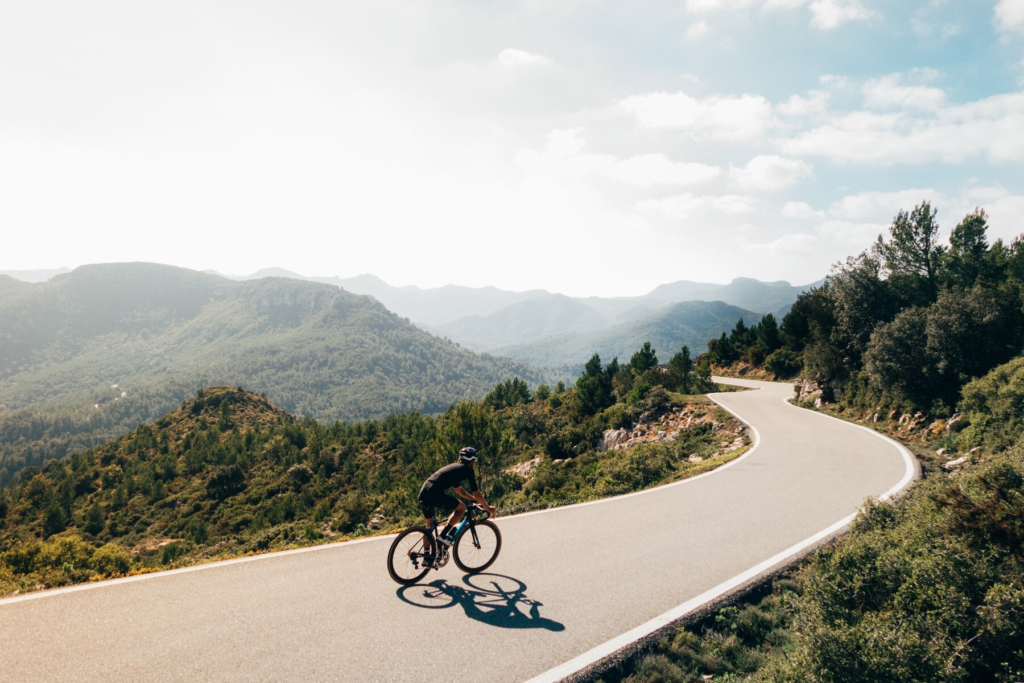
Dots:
pixel 574 146
pixel 26 275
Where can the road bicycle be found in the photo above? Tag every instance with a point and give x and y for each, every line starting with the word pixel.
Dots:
pixel 417 550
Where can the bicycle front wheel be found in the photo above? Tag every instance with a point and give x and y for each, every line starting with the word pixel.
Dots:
pixel 407 559
pixel 477 547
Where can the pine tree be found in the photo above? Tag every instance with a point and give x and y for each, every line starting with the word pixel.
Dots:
pixel 95 520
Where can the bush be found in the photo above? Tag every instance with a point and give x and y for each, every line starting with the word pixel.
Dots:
pixel 111 559
pixel 783 363
pixel 995 406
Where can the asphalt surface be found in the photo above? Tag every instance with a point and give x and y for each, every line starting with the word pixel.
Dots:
pixel 567 580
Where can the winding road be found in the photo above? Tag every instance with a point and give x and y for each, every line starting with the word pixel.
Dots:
pixel 571 584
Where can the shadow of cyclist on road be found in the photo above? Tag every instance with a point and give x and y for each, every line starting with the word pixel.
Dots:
pixel 489 598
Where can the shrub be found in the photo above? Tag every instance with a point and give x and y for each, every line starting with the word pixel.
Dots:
pixel 111 559
pixel 995 405
pixel 783 363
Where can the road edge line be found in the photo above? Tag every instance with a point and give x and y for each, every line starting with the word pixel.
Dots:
pixel 667 619
pixel 216 564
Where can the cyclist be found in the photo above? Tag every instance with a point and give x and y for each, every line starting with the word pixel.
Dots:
pixel 433 493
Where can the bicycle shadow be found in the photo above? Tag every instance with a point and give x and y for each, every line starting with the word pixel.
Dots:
pixel 493 599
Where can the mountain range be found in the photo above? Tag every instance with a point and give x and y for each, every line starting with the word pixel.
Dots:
pixel 533 326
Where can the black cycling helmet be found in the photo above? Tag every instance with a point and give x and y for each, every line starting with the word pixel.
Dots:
pixel 468 454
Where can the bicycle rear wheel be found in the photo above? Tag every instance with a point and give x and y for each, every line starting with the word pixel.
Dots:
pixel 406 557
pixel 477 547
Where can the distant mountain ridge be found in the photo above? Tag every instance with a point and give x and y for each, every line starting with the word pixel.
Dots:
pixel 495 320
pixel 691 323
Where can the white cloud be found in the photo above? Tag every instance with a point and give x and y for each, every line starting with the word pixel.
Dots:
pixel 890 92
pixel 769 173
pixel 830 14
pixel 784 4
pixel 850 235
pixel 561 157
pixel 657 169
pixel 798 106
pixel 682 206
pixel 520 58
pixel 1009 15
pixel 711 5
pixel 565 142
pixel 794 244
pixel 834 81
pixel 801 211
pixel 991 128
pixel 879 207
pixel 732 118
pixel 697 30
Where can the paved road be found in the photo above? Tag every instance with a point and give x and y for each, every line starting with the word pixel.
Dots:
pixel 567 580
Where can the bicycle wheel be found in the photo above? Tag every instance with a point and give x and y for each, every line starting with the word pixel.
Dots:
pixel 477 546
pixel 405 559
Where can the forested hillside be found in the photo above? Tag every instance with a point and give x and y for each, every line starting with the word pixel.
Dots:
pixel 92 353
pixel 690 323
pixel 907 323
pixel 229 473
pixel 923 340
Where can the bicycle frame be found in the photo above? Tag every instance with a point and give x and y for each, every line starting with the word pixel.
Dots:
pixel 467 520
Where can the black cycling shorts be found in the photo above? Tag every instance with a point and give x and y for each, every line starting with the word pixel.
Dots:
pixel 430 500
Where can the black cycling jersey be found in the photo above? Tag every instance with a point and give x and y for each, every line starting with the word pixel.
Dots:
pixel 451 476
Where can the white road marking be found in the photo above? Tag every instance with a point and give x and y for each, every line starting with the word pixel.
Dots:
pixel 605 649
pixel 281 553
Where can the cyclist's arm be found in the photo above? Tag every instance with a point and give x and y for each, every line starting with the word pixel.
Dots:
pixel 462 493
pixel 477 497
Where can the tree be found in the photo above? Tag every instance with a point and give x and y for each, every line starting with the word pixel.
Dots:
pixel 896 357
pixel 860 299
pixel 913 252
pixel 95 520
pixel 967 258
pixel 542 393
pixel 741 336
pixel 811 318
pixel 721 351
pixel 54 521
pixel 768 333
pixel 680 367
pixel 593 388
pixel 643 360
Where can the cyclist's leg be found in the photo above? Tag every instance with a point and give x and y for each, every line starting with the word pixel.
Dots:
pixel 427 506
pixel 457 513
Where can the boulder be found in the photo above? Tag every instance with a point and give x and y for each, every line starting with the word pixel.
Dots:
pixel 956 423
pixel 953 464
pixel 693 457
pixel 525 469
pixel 940 452
pixel 611 439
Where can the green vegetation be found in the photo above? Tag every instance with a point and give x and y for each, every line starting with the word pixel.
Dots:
pixel 930 587
pixel 91 354
pixel 228 473
pixel 907 323
pixel 927 588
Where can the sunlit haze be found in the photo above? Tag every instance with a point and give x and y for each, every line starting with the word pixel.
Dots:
pixel 584 147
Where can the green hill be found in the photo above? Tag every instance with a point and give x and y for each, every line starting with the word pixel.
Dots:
pixel 92 353
pixel 690 323
pixel 228 473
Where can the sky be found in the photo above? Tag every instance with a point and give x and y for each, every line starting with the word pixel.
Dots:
pixel 587 147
